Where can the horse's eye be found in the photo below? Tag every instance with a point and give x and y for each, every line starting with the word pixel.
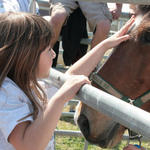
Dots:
pixel 145 37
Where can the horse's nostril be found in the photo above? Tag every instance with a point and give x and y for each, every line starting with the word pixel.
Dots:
pixel 84 125
pixel 103 144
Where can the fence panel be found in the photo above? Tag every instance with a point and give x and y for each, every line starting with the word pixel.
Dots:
pixel 126 114
pixel 144 2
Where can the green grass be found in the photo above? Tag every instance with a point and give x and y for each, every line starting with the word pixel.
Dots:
pixel 77 143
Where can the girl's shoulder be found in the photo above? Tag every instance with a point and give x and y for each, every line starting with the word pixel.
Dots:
pixel 9 87
pixel 8 83
pixel 9 91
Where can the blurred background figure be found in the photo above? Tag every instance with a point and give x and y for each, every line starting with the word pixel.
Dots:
pixel 97 14
pixel 16 6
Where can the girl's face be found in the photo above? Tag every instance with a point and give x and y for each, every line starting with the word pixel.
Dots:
pixel 45 63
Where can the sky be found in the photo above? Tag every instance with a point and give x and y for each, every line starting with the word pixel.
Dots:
pixel 125 7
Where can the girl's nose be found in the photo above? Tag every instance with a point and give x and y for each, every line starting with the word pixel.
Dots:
pixel 53 53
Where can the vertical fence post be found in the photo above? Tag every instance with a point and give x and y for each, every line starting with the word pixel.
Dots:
pixel 86 145
pixel 32 6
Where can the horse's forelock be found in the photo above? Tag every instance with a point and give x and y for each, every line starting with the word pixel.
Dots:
pixel 144 28
pixel 143 9
pixel 140 26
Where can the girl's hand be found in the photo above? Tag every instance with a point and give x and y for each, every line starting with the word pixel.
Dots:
pixel 72 85
pixel 132 147
pixel 120 36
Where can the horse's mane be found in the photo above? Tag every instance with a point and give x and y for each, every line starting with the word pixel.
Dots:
pixel 143 9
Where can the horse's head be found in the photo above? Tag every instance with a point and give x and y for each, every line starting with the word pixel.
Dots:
pixel 128 71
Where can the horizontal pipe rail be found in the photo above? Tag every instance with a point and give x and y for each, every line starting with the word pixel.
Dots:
pixel 143 2
pixel 73 102
pixel 68 133
pixel 126 114
pixel 67 114
pixel 79 134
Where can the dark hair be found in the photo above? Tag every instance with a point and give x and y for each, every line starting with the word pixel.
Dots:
pixel 143 9
pixel 23 37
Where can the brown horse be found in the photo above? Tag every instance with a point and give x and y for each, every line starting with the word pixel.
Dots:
pixel 128 72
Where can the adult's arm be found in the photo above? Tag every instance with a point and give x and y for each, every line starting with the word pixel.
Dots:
pixel 88 62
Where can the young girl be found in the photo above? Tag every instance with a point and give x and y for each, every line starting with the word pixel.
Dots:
pixel 27 117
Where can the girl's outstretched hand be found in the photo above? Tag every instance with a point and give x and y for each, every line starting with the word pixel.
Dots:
pixel 72 85
pixel 120 36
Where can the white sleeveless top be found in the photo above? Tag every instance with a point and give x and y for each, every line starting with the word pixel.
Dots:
pixel 15 105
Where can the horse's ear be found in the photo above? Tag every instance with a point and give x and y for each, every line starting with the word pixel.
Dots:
pixel 143 8
pixel 144 37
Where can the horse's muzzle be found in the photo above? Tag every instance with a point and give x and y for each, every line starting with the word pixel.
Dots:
pixel 104 140
pixel 83 124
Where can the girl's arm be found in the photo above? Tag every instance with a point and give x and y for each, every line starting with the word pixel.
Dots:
pixel 36 135
pixel 89 61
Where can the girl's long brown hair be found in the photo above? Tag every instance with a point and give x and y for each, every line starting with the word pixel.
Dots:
pixel 23 37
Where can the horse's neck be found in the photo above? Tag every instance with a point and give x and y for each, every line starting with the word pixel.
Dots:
pixel 128 69
pixel 124 71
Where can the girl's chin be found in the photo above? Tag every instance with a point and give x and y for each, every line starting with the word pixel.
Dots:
pixel 48 74
pixel 44 76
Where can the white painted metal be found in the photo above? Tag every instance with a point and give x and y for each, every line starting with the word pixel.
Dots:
pixel 126 114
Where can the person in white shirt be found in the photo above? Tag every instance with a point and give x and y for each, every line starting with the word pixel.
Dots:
pixel 28 116
pixel 16 6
